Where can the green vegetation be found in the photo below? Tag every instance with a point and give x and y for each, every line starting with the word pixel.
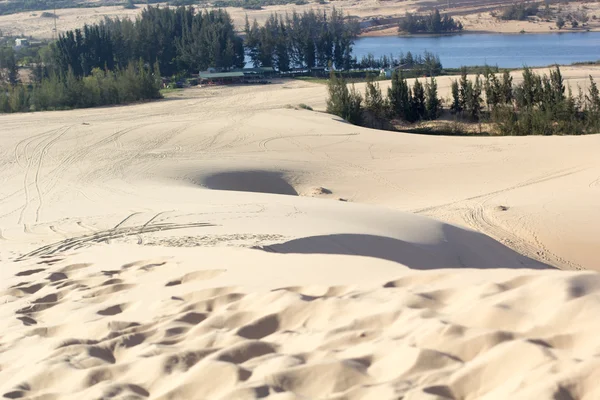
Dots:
pixel 134 83
pixel 519 12
pixel 308 40
pixel 343 102
pixel 426 64
pixel 47 14
pixel 9 70
pixel 537 106
pixel 180 40
pixel 432 23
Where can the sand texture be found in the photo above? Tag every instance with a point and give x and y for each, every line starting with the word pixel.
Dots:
pixel 220 244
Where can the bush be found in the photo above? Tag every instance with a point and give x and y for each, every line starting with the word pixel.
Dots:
pixel 47 14
pixel 305 107
pixel 519 12
pixel 343 102
pixel 432 23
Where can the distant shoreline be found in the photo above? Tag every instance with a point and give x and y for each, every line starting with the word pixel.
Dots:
pixel 389 33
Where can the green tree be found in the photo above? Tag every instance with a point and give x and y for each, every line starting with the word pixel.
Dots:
pixel 493 90
pixel 343 102
pixel 374 101
pixel 506 88
pixel 432 103
pixel 9 69
pixel 399 97
pixel 418 102
pixel 464 90
pixel 456 106
pixel 560 22
pixel 474 100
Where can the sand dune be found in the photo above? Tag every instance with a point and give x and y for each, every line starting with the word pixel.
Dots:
pixel 112 322
pixel 219 245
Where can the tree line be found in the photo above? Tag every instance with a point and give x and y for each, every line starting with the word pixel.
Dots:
pixel 432 23
pixel 539 105
pixel 418 103
pixel 427 63
pixel 179 39
pixel 133 83
pixel 307 40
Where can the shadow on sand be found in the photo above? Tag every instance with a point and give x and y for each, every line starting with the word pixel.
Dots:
pixel 257 181
pixel 461 249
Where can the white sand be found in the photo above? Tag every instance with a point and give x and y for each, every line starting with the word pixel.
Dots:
pixel 195 248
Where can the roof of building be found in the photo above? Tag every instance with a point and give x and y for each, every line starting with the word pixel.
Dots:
pixel 214 75
pixel 256 69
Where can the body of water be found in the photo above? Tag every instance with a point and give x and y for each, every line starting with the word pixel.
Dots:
pixel 503 50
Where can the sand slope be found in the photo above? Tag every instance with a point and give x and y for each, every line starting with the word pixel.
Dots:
pixel 213 245
pixel 149 322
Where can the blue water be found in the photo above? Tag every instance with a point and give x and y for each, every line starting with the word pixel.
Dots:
pixel 509 51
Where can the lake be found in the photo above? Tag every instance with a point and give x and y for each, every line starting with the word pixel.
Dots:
pixel 503 50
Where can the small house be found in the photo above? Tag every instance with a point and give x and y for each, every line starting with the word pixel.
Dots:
pixel 21 42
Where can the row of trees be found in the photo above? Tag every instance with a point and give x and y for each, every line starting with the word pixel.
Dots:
pixel 307 40
pixel 536 106
pixel 427 63
pixel 432 23
pixel 418 103
pixel 179 39
pixel 539 105
pixel 133 83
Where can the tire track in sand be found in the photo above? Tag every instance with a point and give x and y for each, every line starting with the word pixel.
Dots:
pixel 39 151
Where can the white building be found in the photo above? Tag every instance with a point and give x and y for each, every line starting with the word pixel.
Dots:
pixel 21 42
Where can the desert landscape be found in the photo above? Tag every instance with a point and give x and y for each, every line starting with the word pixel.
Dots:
pixel 224 243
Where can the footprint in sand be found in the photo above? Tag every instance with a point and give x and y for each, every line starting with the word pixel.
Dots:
pixel 197 275
pixel 113 310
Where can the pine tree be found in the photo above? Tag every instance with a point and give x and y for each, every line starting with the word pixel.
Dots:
pixel 374 101
pixel 343 102
pixel 432 103
pixel 492 90
pixel 474 99
pixel 354 114
pixel 464 90
pixel 456 106
pixel 506 88
pixel 9 69
pixel 417 102
pixel 558 86
pixel 399 97
pixel 593 96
